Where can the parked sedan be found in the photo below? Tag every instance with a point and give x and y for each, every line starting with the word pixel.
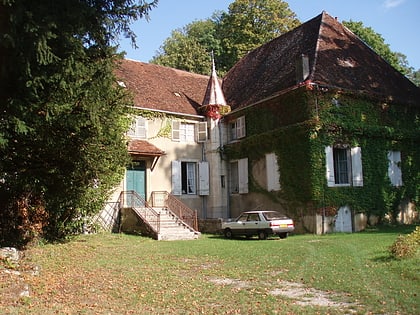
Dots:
pixel 261 223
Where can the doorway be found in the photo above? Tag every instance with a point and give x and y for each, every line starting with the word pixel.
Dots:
pixel 136 177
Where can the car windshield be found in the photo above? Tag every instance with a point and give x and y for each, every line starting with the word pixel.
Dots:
pixel 273 215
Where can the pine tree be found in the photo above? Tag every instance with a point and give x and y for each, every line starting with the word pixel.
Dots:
pixel 63 114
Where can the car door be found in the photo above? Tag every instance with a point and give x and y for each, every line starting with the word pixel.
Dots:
pixel 240 224
pixel 252 224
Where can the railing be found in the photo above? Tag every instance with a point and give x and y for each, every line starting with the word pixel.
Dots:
pixel 108 217
pixel 131 199
pixel 164 199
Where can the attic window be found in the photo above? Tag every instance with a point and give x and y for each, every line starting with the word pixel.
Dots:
pixel 348 62
pixel 177 94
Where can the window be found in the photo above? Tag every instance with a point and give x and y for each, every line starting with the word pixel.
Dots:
pixel 237 128
pixel 239 176
pixel 184 178
pixel 394 168
pixel 189 132
pixel 138 128
pixel 344 166
pixel 188 178
pixel 186 132
pixel 341 165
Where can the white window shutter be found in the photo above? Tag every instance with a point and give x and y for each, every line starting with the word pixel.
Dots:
pixel 203 178
pixel 240 127
pixel 243 176
pixel 141 128
pixel 272 169
pixel 176 178
pixel 329 163
pixel 176 124
pixel 202 131
pixel 394 168
pixel 356 166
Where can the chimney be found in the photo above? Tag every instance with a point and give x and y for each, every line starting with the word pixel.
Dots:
pixel 302 68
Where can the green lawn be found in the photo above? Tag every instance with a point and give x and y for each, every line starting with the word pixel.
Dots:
pixel 303 274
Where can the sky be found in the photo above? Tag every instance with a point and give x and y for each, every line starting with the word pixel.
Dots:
pixel 395 20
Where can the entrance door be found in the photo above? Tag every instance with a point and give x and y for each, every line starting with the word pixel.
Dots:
pixel 136 178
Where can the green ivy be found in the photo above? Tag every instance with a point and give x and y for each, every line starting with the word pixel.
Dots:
pixel 299 125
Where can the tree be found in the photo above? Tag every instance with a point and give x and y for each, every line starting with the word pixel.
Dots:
pixel 414 76
pixel 63 114
pixel 251 23
pixel 247 25
pixel 188 48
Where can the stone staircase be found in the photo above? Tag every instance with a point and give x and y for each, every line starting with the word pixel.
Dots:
pixel 172 228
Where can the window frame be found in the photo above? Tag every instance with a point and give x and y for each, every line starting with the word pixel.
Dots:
pixel 238 183
pixel 354 166
pixel 237 129
pixel 188 131
pixel 190 178
pixel 138 128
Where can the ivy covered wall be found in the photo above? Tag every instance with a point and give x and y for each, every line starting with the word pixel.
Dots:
pixel 298 125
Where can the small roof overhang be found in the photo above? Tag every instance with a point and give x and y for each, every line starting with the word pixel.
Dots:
pixel 143 148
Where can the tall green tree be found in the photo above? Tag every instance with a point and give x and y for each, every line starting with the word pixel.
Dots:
pixel 250 23
pixel 188 48
pixel 63 114
pixel 229 35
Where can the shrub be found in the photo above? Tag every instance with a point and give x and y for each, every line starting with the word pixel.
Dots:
pixel 406 246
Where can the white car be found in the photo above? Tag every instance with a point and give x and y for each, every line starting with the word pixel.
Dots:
pixel 261 223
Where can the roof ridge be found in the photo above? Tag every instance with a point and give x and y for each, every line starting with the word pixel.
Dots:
pixel 313 69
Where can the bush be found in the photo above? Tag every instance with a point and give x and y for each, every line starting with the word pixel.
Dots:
pixel 406 246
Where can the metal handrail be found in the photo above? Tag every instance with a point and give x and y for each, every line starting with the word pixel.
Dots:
pixel 176 207
pixel 108 217
pixel 131 199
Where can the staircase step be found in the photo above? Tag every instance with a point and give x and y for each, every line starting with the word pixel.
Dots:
pixel 172 228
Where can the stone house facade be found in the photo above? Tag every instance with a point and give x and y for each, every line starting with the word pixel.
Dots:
pixel 313 123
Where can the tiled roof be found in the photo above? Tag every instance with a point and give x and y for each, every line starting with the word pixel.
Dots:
pixel 144 148
pixel 337 58
pixel 162 88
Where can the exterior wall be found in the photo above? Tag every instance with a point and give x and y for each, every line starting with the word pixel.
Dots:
pixel 160 178
pixel 217 200
pixel 318 225
pixel 366 127
pixel 213 205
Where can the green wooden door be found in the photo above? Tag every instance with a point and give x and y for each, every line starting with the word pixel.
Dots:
pixel 136 178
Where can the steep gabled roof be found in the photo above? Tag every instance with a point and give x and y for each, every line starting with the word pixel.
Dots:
pixel 337 58
pixel 161 88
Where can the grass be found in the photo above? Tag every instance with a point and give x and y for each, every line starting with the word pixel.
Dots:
pixel 123 274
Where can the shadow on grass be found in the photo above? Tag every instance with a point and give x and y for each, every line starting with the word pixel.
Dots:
pixel 391 228
pixel 241 238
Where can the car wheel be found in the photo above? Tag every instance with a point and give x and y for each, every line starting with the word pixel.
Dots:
pixel 228 233
pixel 262 235
pixel 283 235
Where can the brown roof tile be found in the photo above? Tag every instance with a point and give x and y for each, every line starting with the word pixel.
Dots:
pixel 162 88
pixel 336 56
pixel 144 148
